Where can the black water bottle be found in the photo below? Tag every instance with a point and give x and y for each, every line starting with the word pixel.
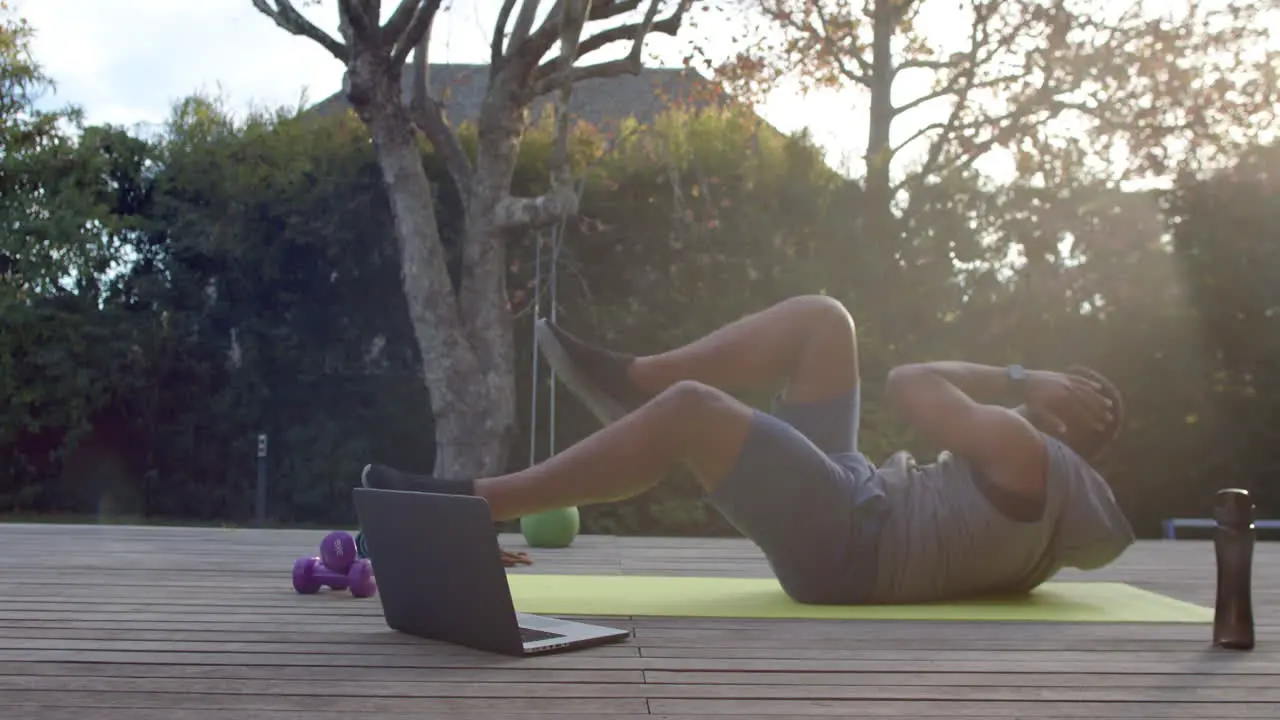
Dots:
pixel 1233 541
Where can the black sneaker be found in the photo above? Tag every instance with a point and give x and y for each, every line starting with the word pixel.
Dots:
pixel 381 477
pixel 595 375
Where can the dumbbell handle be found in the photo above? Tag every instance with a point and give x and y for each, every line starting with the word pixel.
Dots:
pixel 329 576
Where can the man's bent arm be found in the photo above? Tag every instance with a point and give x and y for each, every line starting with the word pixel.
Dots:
pixel 981 382
pixel 937 399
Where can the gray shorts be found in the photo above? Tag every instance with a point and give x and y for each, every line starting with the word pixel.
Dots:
pixel 804 494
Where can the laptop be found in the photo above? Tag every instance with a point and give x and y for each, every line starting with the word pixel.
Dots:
pixel 440 576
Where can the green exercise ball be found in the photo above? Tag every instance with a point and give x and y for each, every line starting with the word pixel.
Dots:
pixel 551 528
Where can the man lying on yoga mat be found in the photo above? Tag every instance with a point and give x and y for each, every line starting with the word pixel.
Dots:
pixel 1010 500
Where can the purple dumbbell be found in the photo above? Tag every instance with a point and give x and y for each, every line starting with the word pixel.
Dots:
pixel 310 574
pixel 338 551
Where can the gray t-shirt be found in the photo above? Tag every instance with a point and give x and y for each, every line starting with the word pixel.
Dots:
pixel 944 539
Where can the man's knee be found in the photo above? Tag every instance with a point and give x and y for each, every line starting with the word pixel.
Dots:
pixel 694 411
pixel 827 356
pixel 705 426
pixel 822 314
pixel 695 401
pixel 830 313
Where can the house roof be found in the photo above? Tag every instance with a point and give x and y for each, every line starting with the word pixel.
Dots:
pixel 601 102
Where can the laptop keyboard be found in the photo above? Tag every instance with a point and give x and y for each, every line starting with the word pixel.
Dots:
pixel 531 635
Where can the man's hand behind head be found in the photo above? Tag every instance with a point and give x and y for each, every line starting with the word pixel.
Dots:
pixel 1070 400
pixel 1079 407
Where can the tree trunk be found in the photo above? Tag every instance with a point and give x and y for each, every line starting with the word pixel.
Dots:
pixel 489 329
pixel 880 219
pixel 462 397
pixel 486 310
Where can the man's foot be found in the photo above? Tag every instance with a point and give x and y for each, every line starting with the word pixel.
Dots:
pixel 595 375
pixel 381 477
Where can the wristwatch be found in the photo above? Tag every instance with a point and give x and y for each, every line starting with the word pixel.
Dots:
pixel 1017 380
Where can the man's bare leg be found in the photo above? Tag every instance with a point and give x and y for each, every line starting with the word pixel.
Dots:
pixel 687 423
pixel 806 344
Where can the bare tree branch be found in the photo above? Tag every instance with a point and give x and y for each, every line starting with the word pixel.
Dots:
pixel 1004 125
pixel 960 86
pixel 917 135
pixel 536 45
pixel 566 24
pixel 516 212
pixel 356 12
pixel 999 129
pixel 545 36
pixel 950 89
pixel 922 64
pixel 545 209
pixel 429 117
pixel 669 25
pixel 414 32
pixel 573 16
pixel 524 23
pixel 547 77
pixel 611 8
pixel 284 14
pixel 864 66
pixel 496 51
pixel 399 20
pixel 561 200
pixel 932 164
pixel 1042 99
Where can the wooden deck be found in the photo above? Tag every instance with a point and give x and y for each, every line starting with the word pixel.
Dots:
pixel 116 623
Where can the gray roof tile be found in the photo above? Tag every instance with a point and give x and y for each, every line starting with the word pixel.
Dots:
pixel 601 102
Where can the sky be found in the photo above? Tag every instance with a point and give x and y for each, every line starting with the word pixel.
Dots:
pixel 128 61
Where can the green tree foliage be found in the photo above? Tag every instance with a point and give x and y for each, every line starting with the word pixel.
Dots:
pixel 60 233
pixel 1226 240
pixel 57 233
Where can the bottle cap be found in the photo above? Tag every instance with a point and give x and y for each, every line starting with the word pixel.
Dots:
pixel 1233 507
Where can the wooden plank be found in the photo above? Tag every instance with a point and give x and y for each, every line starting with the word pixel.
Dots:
pixel 874 710
pixel 961 679
pixel 1066 658
pixel 1172 654
pixel 530 674
pixel 439 656
pixel 444 656
pixel 960 708
pixel 662 629
pixel 761 691
pixel 282 648
pixel 501 674
pixel 38 628
pixel 361 703
pixel 99 713
pixel 325 603
pixel 245 619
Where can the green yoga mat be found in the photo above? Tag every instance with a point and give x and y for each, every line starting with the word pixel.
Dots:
pixel 706 597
